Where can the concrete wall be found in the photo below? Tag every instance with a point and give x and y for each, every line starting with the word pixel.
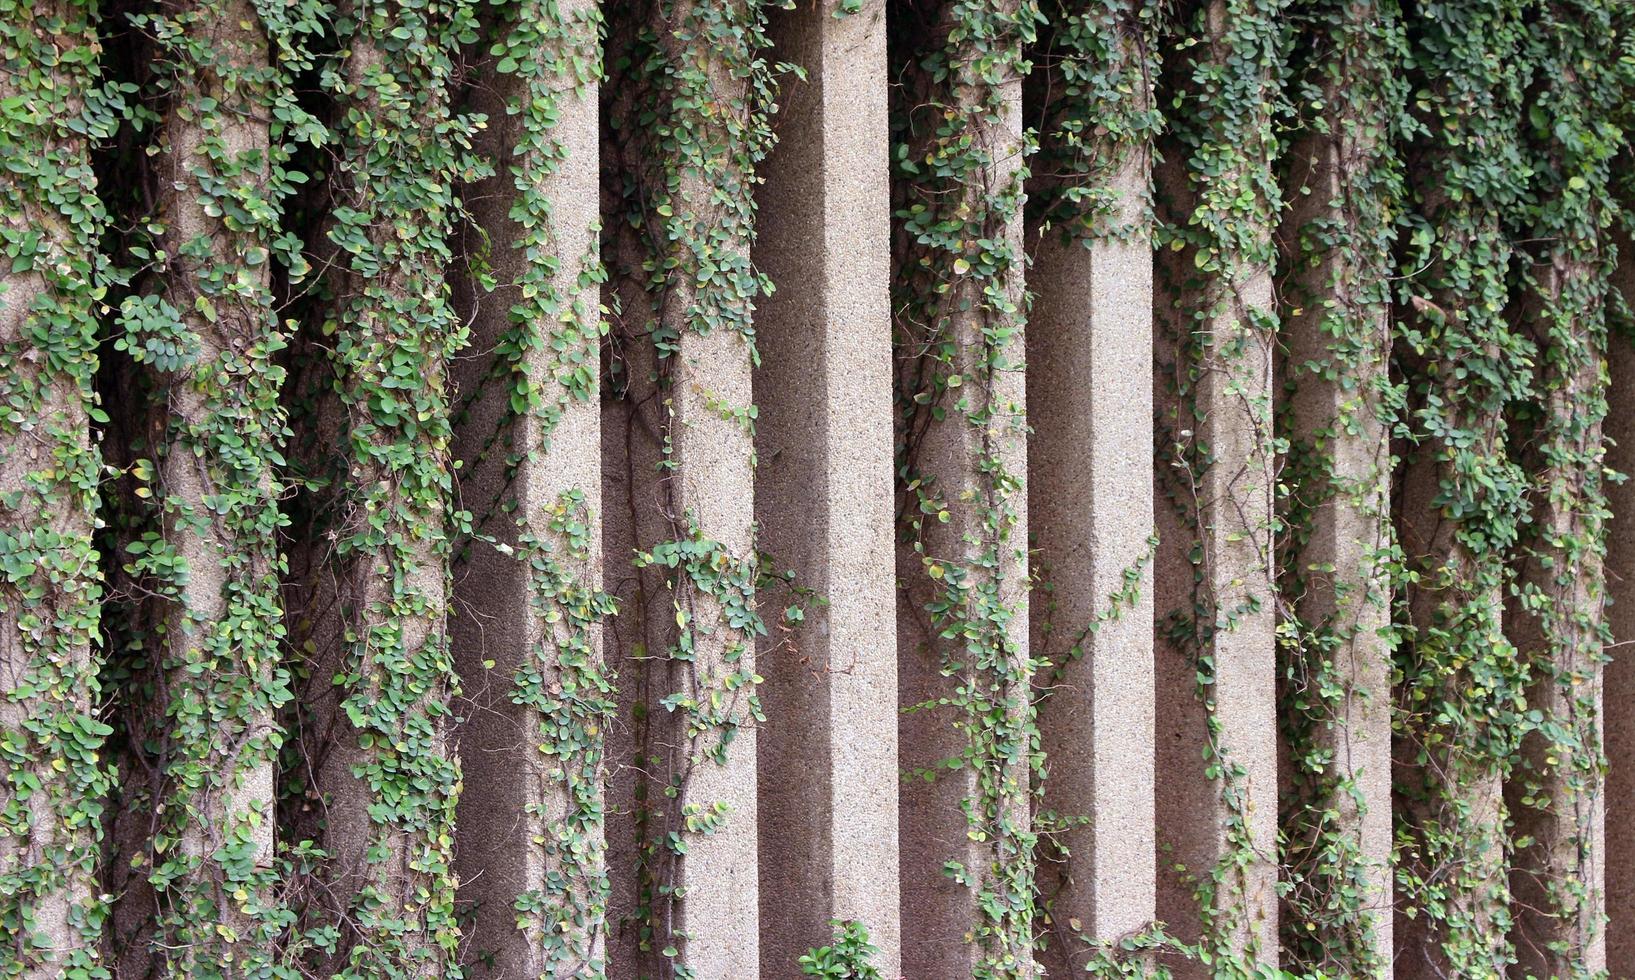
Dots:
pixel 1118 406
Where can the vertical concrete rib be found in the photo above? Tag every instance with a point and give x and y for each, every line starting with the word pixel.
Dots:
pixel 828 751
pixel 383 680
pixel 1217 748
pixel 1618 692
pixel 1452 580
pixel 683 224
pixel 1459 682
pixel 1556 617
pixel 964 672
pixel 633 456
pixel 1555 796
pixel 222 682
pixel 1337 330
pixel 51 596
pixel 1090 507
pixel 711 432
pixel 529 843
pixel 715 453
pixel 636 640
pixel 1216 675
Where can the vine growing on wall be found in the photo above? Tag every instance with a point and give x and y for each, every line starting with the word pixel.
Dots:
pixel 1462 689
pixel 849 955
pixel 1221 447
pixel 1094 71
pixel 56 105
pixel 1350 92
pixel 1457 271
pixel 961 306
pixel 212 335
pixel 400 152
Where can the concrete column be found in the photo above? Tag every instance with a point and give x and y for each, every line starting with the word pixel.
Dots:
pixel 1337 336
pixel 222 639
pixel 715 460
pixel 51 596
pixel 1619 683
pixel 1555 797
pixel 684 355
pixel 530 821
pixel 1217 784
pixel 383 686
pixel 1481 895
pixel 828 751
pixel 633 419
pixel 1449 766
pixel 960 355
pixel 1090 507
pixel 1216 658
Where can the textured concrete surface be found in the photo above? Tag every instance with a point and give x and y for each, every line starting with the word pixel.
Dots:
pixel 243 757
pixel 1618 691
pixel 364 585
pixel 635 501
pixel 1337 418
pixel 1090 504
pixel 1232 503
pixel 715 487
pixel 828 751
pixel 521 794
pixel 694 405
pixel 1447 574
pixel 1562 842
pixel 939 913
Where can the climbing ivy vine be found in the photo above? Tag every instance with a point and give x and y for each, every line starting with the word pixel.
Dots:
pixel 54 106
pixel 848 957
pixel 401 149
pixel 1349 91
pixel 960 308
pixel 210 332
pixel 1093 71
